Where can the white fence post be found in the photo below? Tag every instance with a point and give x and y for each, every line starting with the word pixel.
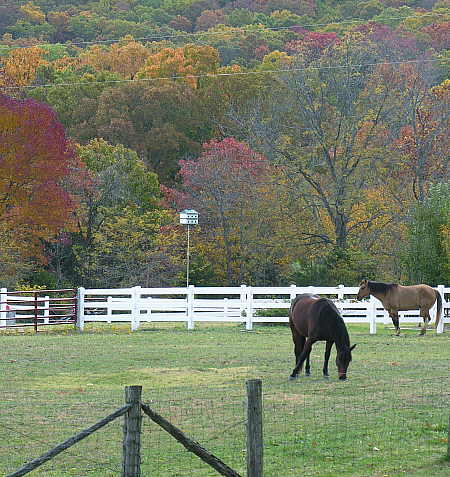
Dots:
pixel 109 309
pixel 243 300
pixel 372 312
pixel 249 310
pixel 225 308
pixel 80 308
pixel 3 305
pixel 190 307
pixel 340 293
pixel 46 309
pixel 135 309
pixel 440 326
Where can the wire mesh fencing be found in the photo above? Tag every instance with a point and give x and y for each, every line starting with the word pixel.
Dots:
pixel 370 426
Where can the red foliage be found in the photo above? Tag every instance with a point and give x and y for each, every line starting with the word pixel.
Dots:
pixel 35 158
pixel 438 35
pixel 312 44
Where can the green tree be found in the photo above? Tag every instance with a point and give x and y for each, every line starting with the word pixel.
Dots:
pixel 428 252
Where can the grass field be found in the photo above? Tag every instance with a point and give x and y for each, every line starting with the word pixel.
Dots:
pixel 389 419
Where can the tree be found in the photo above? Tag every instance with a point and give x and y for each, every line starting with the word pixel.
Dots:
pixel 161 121
pixel 118 218
pixel 324 125
pixel 35 160
pixel 427 255
pixel 225 184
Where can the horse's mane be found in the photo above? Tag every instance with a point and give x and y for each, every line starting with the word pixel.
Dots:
pixel 381 287
pixel 325 305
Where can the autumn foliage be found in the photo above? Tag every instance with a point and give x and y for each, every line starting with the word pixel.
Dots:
pixel 35 159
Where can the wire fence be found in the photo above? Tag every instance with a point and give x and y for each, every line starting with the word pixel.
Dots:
pixel 315 427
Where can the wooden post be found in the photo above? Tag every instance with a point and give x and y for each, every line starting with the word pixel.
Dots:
pixel 254 429
pixel 35 311
pixel 132 433
pixel 190 307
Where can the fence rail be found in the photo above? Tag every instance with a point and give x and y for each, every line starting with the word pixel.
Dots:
pixel 243 304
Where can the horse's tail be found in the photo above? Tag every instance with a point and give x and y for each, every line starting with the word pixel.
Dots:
pixel 438 307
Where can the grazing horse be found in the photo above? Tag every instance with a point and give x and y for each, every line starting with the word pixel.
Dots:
pixel 395 298
pixel 312 319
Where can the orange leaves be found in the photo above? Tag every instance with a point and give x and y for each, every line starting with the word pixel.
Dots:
pixel 125 58
pixel 187 61
pixel 20 67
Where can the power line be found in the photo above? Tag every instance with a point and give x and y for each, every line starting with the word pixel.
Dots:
pixel 217 75
pixel 223 32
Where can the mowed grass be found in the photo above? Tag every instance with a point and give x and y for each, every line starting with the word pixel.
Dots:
pixel 389 419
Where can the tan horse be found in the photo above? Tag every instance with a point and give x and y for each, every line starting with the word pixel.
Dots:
pixel 397 298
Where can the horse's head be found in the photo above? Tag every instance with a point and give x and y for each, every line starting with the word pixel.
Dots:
pixel 343 359
pixel 364 290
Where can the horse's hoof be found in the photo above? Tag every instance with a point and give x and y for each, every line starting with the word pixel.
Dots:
pixel 292 378
pixel 326 376
pixel 307 375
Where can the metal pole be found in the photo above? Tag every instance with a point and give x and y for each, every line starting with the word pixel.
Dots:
pixel 187 258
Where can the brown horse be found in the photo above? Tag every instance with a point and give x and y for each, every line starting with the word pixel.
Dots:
pixel 312 319
pixel 395 298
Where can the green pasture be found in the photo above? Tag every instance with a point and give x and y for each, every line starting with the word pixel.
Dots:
pixel 389 419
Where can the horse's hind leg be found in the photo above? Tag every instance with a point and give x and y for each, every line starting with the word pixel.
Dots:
pixel 307 366
pixel 304 354
pixel 425 314
pixel 299 343
pixel 395 320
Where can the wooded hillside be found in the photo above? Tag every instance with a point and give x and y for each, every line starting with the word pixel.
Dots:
pixel 311 136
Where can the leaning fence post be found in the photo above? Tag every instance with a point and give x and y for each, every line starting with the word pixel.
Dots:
pixel 254 429
pixel 131 465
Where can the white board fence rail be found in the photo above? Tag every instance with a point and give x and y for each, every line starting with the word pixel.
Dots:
pixel 243 304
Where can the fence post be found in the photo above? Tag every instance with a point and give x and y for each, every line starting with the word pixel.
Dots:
pixel 225 309
pixel 3 305
pixel 80 309
pixel 372 309
pixel 46 309
pixel 190 307
pixel 340 293
pixel 440 326
pixel 131 465
pixel 254 429
pixel 249 310
pixel 135 311
pixel 242 300
pixel 293 292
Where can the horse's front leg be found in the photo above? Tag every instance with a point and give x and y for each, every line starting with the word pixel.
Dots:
pixel 303 355
pixel 307 366
pixel 328 347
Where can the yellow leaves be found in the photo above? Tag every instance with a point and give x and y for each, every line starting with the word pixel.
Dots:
pixel 21 65
pixel 187 62
pixel 32 13
pixel 126 57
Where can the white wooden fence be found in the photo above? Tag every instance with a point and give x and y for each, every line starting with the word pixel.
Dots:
pixel 230 304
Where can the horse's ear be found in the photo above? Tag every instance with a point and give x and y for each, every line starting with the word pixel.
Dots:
pixel 352 347
pixel 364 282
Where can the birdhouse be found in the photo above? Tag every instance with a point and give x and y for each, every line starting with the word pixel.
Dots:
pixel 189 217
